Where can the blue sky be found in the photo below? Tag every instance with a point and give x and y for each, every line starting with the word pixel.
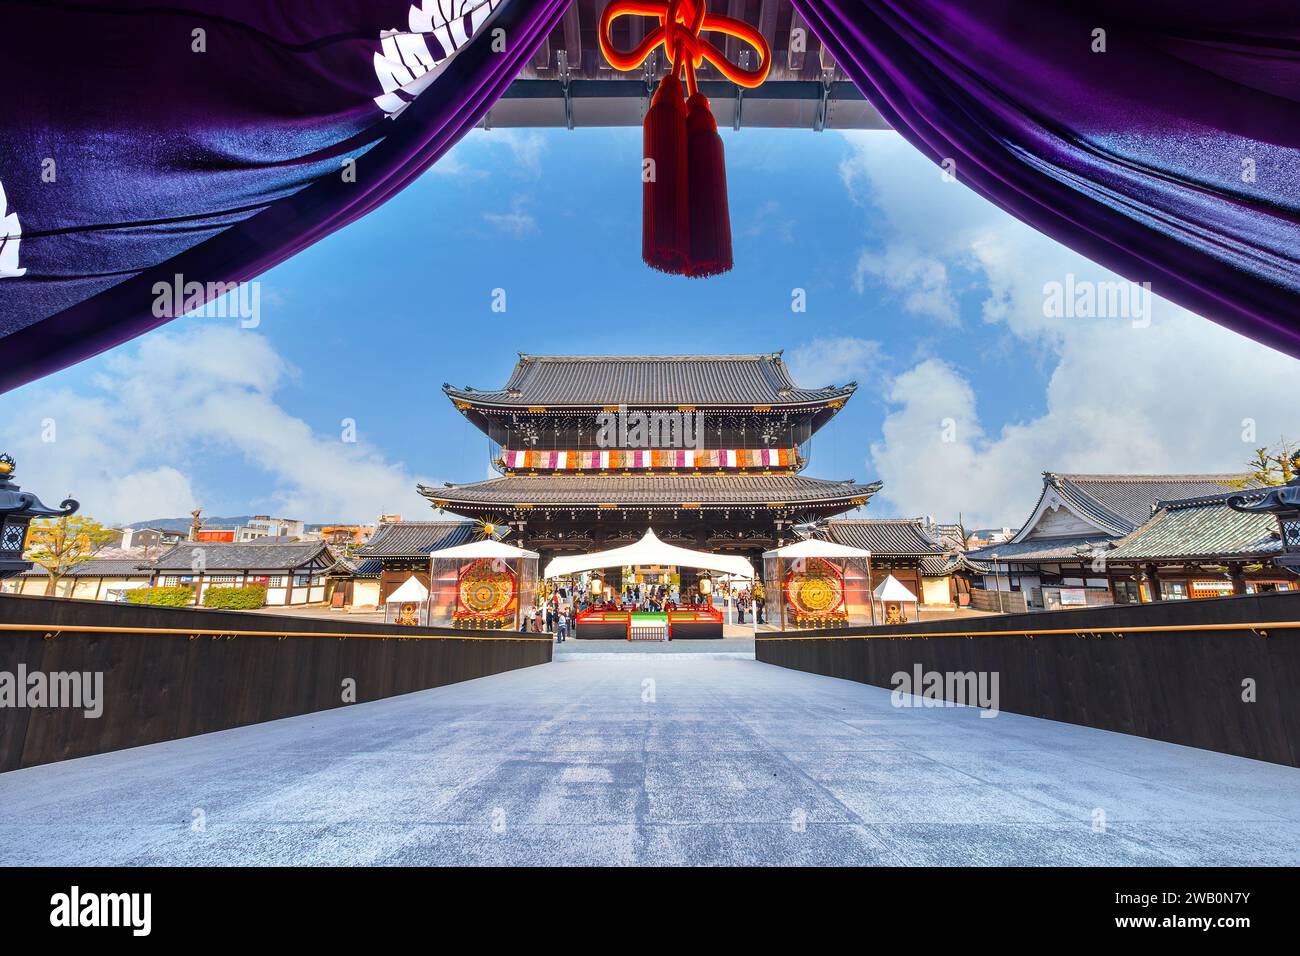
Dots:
pixel 928 296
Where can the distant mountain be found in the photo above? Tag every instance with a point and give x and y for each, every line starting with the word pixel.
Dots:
pixel 183 524
pixel 209 524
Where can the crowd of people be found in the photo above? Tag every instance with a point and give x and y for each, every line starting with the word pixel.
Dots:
pixel 558 612
pixel 552 616
pixel 745 598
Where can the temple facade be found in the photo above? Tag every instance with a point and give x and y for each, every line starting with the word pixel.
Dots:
pixel 708 450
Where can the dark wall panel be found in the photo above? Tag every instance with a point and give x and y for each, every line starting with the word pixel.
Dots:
pixel 165 686
pixel 1179 682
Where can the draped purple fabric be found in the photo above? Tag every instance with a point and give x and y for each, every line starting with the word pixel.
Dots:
pixel 1172 157
pixel 212 139
pixel 204 138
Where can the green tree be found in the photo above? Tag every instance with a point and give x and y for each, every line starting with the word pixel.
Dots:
pixel 60 544
pixel 1276 465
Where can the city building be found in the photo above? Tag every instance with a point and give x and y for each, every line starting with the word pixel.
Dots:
pixel 264 526
pixel 708 450
pixel 153 540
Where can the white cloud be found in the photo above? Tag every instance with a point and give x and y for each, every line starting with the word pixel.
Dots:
pixel 833 361
pixel 516 223
pixel 163 422
pixel 527 148
pixel 1169 397
pixel 921 281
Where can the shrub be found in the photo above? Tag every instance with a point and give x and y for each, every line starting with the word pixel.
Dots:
pixel 161 597
pixel 237 599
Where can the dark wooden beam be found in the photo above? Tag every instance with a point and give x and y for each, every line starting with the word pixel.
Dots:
pixel 573 37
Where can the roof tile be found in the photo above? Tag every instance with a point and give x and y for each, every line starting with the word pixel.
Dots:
pixel 661 490
pixel 600 380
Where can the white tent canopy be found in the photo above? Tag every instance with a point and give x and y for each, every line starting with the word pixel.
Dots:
pixel 892 589
pixel 816 548
pixel 411 590
pixel 650 550
pixel 487 548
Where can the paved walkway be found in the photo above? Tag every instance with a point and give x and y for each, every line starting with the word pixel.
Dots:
pixel 729 648
pixel 653 759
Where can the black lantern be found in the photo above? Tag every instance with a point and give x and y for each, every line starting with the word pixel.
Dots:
pixel 1283 502
pixel 17 509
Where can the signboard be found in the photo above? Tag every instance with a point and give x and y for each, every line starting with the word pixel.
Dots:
pixel 1074 596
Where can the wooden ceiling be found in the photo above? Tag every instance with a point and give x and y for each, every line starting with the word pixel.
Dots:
pixel 569 84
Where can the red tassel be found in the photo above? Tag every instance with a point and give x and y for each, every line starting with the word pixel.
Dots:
pixel 710 222
pixel 665 232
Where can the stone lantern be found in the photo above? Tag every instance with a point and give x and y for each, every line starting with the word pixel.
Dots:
pixel 17 509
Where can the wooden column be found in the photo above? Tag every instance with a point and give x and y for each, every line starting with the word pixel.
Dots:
pixel 1152 576
pixel 1236 575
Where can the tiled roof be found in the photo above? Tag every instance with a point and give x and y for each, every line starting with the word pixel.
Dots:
pixel 224 556
pixel 1202 527
pixel 1042 549
pixel 600 380
pixel 1120 503
pixel 415 539
pixel 951 564
pixel 100 568
pixel 904 536
pixel 369 568
pixel 349 568
pixel 668 491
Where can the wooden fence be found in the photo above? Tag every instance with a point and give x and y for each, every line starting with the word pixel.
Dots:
pixel 177 672
pixel 1221 674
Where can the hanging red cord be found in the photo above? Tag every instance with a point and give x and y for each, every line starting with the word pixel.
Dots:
pixel 686 226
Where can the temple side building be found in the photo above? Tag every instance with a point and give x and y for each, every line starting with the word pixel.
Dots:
pixel 709 450
pixel 1199 548
pixel 1102 539
pixel 395 552
pixel 931 569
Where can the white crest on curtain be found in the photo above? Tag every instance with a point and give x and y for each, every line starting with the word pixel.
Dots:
pixel 407 62
pixel 10 235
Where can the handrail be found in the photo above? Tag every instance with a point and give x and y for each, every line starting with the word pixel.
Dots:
pixel 54 629
pixel 1257 626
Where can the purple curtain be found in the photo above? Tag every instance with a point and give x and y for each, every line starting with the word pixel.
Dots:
pixel 211 140
pixel 1172 157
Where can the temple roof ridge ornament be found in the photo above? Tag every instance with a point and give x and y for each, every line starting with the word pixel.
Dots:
pixel 17 509
pixel 13 500
pixel 1279 498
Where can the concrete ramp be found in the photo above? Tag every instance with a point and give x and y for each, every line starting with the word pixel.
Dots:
pixel 654 759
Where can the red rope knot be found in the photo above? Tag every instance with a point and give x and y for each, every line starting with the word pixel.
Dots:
pixel 680 24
